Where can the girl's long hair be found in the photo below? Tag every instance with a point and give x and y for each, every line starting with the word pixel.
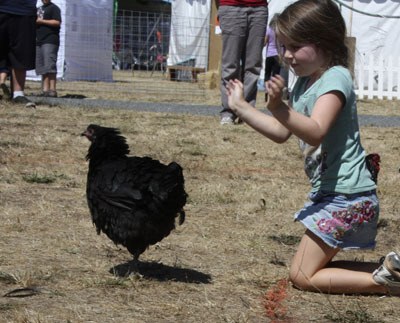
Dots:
pixel 317 22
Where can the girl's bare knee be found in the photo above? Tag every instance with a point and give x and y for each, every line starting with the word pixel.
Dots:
pixel 299 281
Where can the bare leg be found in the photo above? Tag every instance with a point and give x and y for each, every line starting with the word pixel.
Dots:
pixel 49 82
pixel 313 270
pixel 3 77
pixel 45 83
pixel 52 81
pixel 6 94
pixel 18 79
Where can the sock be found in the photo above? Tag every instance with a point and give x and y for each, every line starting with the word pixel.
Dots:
pixel 18 93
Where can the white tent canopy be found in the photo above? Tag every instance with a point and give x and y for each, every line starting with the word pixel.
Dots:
pixel 85 51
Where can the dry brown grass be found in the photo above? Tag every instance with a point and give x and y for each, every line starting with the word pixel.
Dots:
pixel 234 247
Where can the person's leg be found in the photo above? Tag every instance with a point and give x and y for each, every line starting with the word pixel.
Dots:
pixel 5 40
pixel 45 83
pixel 52 81
pixel 233 26
pixel 257 24
pixel 6 94
pixel 3 77
pixel 312 270
pixel 50 52
pixel 276 66
pixel 269 63
pixel 272 67
pixel 39 66
pixel 18 79
pixel 49 84
pixel 22 55
pixel 5 27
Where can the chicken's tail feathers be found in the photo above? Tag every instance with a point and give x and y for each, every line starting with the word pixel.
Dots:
pixel 173 178
pixel 175 168
pixel 176 189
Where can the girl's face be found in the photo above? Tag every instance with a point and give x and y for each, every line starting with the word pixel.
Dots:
pixel 305 59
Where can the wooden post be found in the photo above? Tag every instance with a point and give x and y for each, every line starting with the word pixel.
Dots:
pixel 215 42
pixel 351 45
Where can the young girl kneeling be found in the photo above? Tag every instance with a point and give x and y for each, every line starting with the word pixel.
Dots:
pixel 343 210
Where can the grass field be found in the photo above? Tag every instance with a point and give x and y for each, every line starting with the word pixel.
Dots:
pixel 227 263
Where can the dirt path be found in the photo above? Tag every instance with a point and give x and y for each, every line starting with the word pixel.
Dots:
pixel 365 120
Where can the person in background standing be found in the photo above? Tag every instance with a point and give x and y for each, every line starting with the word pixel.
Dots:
pixel 47 43
pixel 243 24
pixel 272 63
pixel 17 39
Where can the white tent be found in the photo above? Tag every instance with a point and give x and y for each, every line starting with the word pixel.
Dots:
pixel 190 23
pixel 85 51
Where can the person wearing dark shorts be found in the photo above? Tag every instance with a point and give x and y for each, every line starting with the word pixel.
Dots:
pixel 17 39
pixel 47 43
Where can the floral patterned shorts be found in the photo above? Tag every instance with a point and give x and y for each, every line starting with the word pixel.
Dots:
pixel 346 221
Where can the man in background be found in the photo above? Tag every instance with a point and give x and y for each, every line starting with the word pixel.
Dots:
pixel 47 43
pixel 243 24
pixel 18 39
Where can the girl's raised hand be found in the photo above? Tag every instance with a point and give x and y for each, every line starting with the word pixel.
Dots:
pixel 234 90
pixel 275 88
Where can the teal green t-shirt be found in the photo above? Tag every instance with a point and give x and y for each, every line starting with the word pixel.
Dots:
pixel 338 164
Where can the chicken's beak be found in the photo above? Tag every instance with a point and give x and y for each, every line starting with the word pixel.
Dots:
pixel 88 134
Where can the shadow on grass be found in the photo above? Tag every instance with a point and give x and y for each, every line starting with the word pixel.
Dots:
pixel 161 272
pixel 73 96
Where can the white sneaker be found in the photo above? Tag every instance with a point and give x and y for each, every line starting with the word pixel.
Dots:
pixel 226 120
pixel 388 273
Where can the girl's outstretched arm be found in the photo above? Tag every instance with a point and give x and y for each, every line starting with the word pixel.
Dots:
pixel 311 129
pixel 261 122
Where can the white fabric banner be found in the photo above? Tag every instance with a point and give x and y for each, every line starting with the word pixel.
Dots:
pixel 373 34
pixel 88 40
pixel 376 35
pixel 190 25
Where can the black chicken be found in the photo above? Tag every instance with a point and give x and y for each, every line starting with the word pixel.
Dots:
pixel 133 200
